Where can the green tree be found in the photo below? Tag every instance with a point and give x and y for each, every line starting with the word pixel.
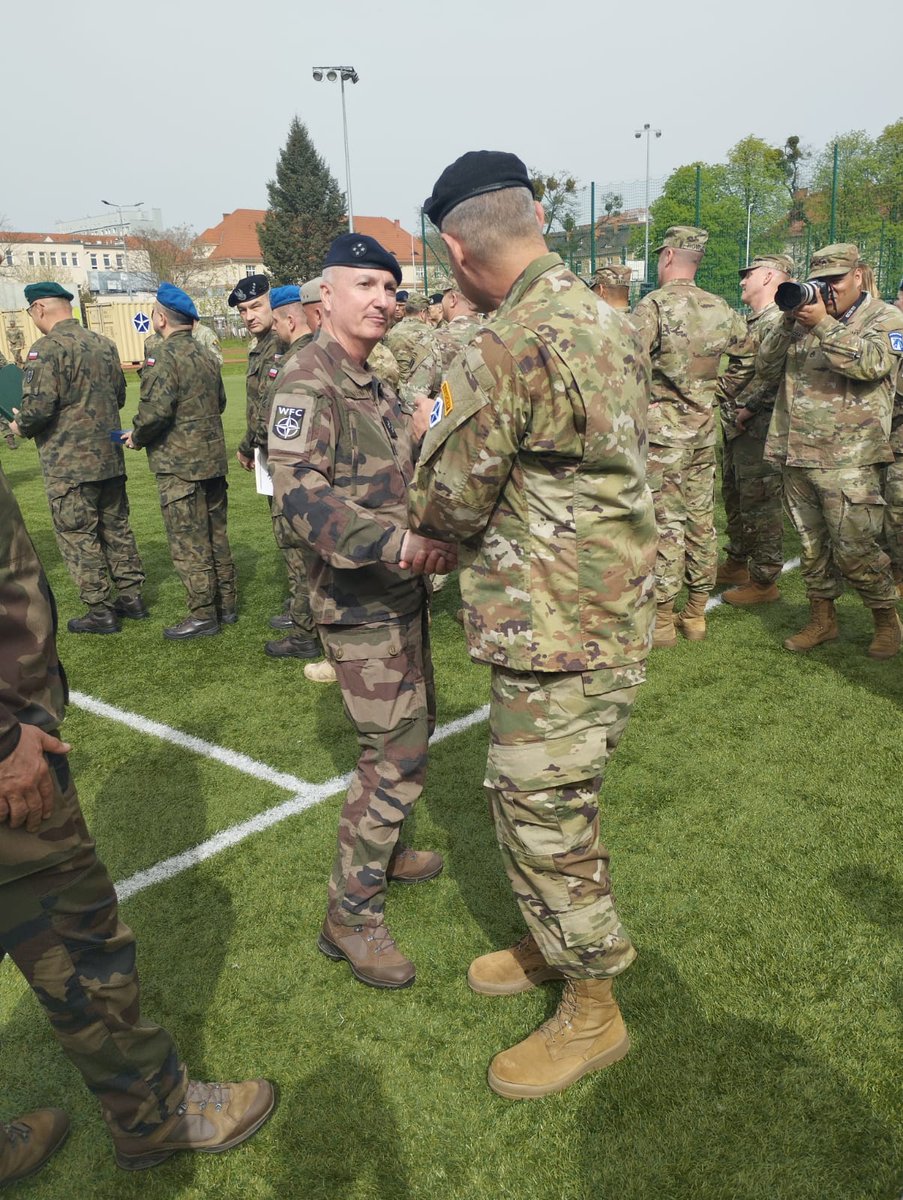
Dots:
pixel 755 175
pixel 175 255
pixel 558 195
pixel 306 211
pixel 856 215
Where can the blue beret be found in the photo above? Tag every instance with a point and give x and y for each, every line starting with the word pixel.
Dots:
pixel 358 250
pixel 473 174
pixel 291 294
pixel 46 291
pixel 172 297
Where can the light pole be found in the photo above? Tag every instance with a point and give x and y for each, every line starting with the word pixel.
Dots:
pixel 343 74
pixel 125 253
pixel 645 132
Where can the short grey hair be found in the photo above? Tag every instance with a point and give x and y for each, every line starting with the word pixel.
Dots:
pixel 486 224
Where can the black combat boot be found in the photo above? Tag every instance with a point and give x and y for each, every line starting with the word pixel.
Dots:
pixel 97 619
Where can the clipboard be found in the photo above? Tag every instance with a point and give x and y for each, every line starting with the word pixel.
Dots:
pixel 10 390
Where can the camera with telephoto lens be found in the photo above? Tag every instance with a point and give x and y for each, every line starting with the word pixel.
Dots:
pixel 793 295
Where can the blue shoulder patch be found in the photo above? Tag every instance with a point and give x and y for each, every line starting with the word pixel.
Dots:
pixel 896 341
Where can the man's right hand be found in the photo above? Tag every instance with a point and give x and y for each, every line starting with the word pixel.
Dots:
pixel 247 463
pixel 26 787
pixel 742 416
pixel 425 556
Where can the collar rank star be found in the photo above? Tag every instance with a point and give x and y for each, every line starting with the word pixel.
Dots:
pixel 287 422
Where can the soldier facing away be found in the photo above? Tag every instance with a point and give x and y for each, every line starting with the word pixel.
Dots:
pixel 545 413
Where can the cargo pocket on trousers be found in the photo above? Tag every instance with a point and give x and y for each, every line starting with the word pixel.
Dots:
pixel 863 510
pixel 379 673
pixel 70 512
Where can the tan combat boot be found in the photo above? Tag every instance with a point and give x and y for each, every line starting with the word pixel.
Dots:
pixel 821 627
pixel 664 634
pixel 507 972
pixel 732 570
pixel 691 619
pixel 320 672
pixel 370 952
pixel 752 593
pixel 213 1117
pixel 585 1034
pixel 886 642
pixel 413 866
pixel 28 1142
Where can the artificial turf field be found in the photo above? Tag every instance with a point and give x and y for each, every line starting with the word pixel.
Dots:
pixel 753 815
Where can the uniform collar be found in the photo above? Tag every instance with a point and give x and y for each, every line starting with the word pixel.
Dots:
pixel 334 350
pixel 526 279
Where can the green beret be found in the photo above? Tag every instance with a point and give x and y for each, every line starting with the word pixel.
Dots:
pixel 46 291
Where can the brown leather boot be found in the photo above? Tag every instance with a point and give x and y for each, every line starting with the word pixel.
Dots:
pixel 28 1142
pixel 370 952
pixel 585 1034
pixel 413 866
pixel 213 1117
pixel 732 570
pixel 664 634
pixel 821 627
pixel 752 593
pixel 691 619
pixel 507 972
pixel 886 642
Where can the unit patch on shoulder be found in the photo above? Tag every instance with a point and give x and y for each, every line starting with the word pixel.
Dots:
pixel 447 404
pixel 287 421
pixel 436 412
pixel 29 375
pixel 32 355
pixel 896 340
pixel 149 362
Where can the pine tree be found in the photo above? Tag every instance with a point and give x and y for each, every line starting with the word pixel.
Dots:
pixel 306 211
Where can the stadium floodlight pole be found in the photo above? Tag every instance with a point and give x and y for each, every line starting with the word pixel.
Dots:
pixel 645 132
pixel 749 209
pixel 344 75
pixel 119 208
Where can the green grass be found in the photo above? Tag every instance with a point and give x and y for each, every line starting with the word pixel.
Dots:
pixel 753 814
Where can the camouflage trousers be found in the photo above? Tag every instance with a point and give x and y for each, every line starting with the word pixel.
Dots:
pixel 682 483
pixel 752 490
pixel 839 516
pixel 296 560
pixel 91 522
pixel 194 515
pixel 59 923
pixel 550 738
pixel 892 490
pixel 386 676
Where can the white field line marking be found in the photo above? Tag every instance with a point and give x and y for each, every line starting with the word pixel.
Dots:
pixel 719 599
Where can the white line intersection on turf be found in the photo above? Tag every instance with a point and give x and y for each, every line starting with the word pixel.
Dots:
pixel 304 794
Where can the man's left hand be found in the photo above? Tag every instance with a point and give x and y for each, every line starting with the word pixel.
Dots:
pixel 127 440
pixel 26 788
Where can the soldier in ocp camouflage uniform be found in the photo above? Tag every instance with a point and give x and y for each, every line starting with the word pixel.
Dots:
pixel 837 367
pixel 72 391
pixel 413 343
pixel 59 920
pixel 462 320
pixel 611 283
pixel 179 423
pixel 538 468
pixel 341 459
pixel 687 330
pixel 16 339
pixel 751 487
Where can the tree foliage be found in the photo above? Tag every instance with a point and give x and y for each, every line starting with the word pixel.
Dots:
pixel 558 195
pixel 306 211
pixel 174 255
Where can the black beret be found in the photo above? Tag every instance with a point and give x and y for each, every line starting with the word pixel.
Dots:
pixel 473 174
pixel 359 250
pixel 248 288
pixel 436 298
pixel 401 297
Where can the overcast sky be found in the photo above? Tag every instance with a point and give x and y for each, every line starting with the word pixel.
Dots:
pixel 185 104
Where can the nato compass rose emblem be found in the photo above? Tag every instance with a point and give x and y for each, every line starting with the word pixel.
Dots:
pixel 287 424
pixel 141 321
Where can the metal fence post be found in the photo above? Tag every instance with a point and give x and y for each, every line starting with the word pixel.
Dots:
pixel 426 290
pixel 592 228
pixel 833 197
pixel 698 219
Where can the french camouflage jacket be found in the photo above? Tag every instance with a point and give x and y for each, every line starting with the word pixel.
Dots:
pixel 836 387
pixel 263 366
pixel 178 418
pixel 538 469
pixel 72 390
pixel 341 459
pixel 686 331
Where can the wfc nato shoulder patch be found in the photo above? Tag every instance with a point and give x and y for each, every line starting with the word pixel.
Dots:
pixel 287 421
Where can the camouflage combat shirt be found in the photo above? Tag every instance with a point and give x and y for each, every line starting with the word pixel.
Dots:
pixel 178 418
pixel 452 337
pixel 263 365
pixel 341 459
pixel 538 468
pixel 414 345
pixel 686 330
pixel 72 390
pixel 835 387
pixel 757 396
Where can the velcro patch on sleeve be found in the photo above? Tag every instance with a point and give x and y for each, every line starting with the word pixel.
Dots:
pixel 447 402
pixel 32 355
pixel 287 422
pixel 896 341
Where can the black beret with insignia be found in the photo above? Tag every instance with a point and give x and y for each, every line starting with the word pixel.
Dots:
pixel 436 298
pixel 359 250
pixel 473 174
pixel 248 288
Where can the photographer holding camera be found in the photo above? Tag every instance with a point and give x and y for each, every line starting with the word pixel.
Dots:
pixel 836 355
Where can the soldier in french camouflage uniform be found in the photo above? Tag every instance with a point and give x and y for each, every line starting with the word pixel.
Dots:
pixel 72 391
pixel 179 423
pixel 59 920
pixel 836 365
pixel 537 466
pixel 750 486
pixel 686 330
pixel 342 460
pixel 611 283
pixel 413 343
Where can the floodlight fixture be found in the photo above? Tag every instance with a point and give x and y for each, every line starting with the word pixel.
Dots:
pixel 645 132
pixel 344 75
